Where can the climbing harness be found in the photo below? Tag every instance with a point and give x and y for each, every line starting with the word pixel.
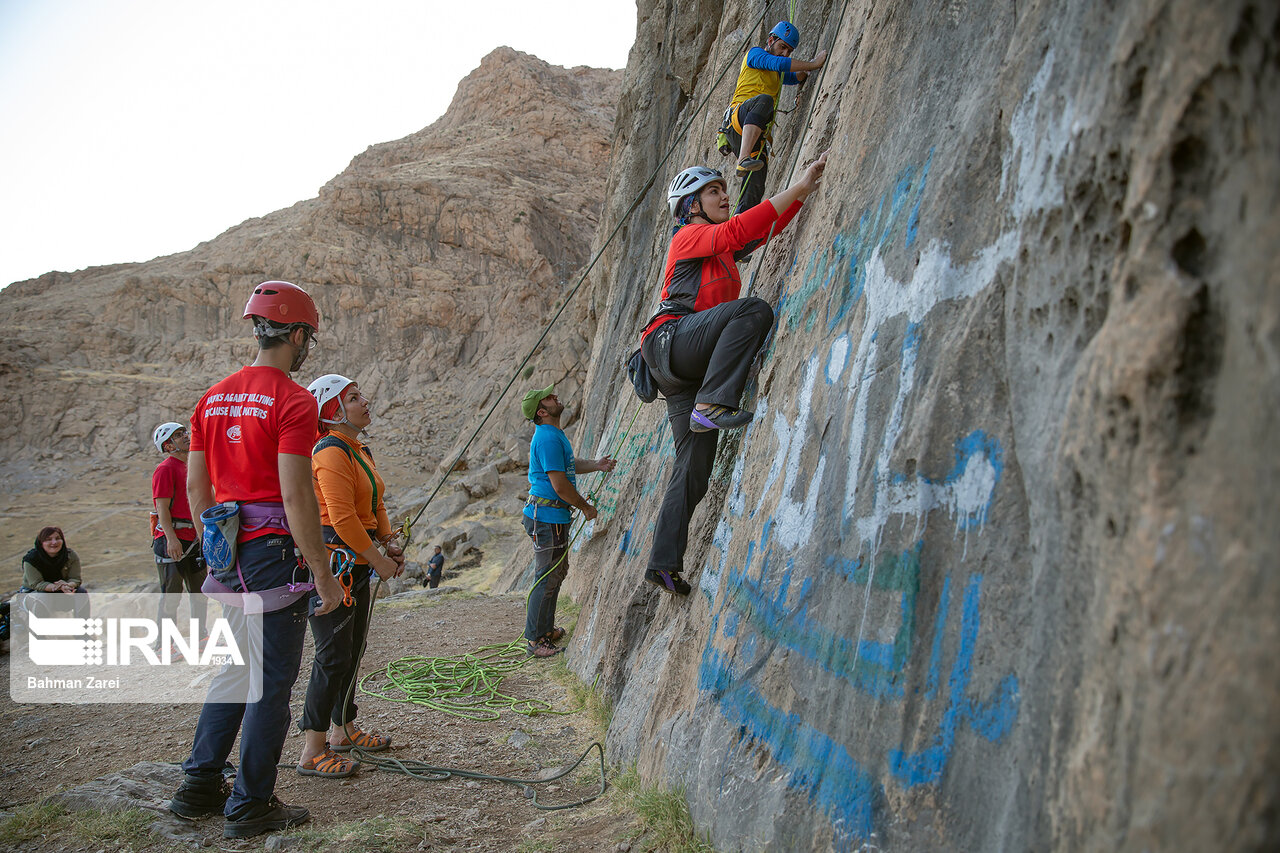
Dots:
pixel 222 523
pixel 553 503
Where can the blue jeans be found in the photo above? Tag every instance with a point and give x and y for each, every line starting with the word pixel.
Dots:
pixel 267 562
pixel 550 549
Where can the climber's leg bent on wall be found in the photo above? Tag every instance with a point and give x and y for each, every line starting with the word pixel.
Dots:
pixel 715 348
pixel 755 118
pixel 712 352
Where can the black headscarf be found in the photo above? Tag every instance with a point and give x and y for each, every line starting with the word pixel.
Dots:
pixel 50 568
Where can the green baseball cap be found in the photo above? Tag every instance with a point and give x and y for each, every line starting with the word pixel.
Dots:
pixel 529 405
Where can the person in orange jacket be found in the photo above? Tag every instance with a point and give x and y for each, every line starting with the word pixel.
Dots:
pixel 353 517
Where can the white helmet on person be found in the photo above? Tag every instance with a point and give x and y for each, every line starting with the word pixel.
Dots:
pixel 163 433
pixel 330 387
pixel 691 180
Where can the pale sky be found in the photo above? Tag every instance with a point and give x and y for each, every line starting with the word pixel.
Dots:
pixel 131 129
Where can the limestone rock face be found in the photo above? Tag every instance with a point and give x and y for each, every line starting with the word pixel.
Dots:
pixel 994 568
pixel 436 261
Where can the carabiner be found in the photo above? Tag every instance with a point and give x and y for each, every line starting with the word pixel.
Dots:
pixel 340 562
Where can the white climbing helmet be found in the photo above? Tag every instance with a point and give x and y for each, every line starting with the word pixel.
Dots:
pixel 691 180
pixel 326 388
pixel 164 432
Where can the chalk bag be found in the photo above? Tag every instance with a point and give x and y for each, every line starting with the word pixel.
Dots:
pixel 221 526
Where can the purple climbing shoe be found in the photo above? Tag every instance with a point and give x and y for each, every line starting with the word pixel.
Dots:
pixel 718 417
pixel 669 582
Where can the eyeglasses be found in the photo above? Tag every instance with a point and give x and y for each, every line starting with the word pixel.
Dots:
pixel 311 335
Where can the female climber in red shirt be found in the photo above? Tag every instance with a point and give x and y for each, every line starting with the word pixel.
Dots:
pixel 700 343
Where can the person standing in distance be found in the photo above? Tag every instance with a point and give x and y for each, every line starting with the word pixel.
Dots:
pixel 552 493
pixel 435 569
pixel 175 545
pixel 251 440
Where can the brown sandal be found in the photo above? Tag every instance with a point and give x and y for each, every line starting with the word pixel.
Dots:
pixel 366 741
pixel 328 765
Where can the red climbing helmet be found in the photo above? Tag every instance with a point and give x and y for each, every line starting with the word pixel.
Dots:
pixel 284 303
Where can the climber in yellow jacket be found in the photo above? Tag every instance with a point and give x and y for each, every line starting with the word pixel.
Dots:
pixel 765 70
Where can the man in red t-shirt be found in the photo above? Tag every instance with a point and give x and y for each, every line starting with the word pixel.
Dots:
pixel 175 546
pixel 251 440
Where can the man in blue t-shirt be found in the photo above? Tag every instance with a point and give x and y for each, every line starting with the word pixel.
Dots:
pixel 553 492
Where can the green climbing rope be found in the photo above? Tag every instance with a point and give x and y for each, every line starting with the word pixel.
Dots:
pixel 469 686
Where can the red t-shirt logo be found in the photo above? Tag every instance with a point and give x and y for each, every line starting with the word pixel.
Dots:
pixel 234 433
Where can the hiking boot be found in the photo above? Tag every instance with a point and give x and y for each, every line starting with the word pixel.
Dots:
pixel 199 796
pixel 271 816
pixel 544 648
pixel 669 582
pixel 718 417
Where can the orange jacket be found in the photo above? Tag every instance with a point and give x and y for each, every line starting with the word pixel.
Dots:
pixel 346 496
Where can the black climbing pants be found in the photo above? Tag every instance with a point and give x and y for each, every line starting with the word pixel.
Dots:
pixel 188 571
pixel 715 347
pixel 757 111
pixel 338 636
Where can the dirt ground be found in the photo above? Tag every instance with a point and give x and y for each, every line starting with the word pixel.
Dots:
pixel 56 747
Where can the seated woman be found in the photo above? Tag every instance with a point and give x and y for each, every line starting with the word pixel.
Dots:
pixel 349 491
pixel 52 567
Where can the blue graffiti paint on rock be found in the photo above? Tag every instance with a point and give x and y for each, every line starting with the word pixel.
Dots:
pixel 820 767
pixel 852 249
pixel 992 720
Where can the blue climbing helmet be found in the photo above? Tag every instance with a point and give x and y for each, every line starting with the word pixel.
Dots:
pixel 787 31
pixel 689 181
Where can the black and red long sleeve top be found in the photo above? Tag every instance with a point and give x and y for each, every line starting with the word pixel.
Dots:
pixel 702 269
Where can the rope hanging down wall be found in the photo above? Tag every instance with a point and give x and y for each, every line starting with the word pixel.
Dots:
pixel 469 686
pixel 697 111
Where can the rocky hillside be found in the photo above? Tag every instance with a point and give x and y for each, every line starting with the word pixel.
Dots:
pixel 435 259
pixel 992 569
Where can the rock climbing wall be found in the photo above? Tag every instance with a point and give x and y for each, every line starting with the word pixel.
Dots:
pixel 995 565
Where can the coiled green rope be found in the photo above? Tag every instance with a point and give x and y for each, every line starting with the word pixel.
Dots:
pixel 468 686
